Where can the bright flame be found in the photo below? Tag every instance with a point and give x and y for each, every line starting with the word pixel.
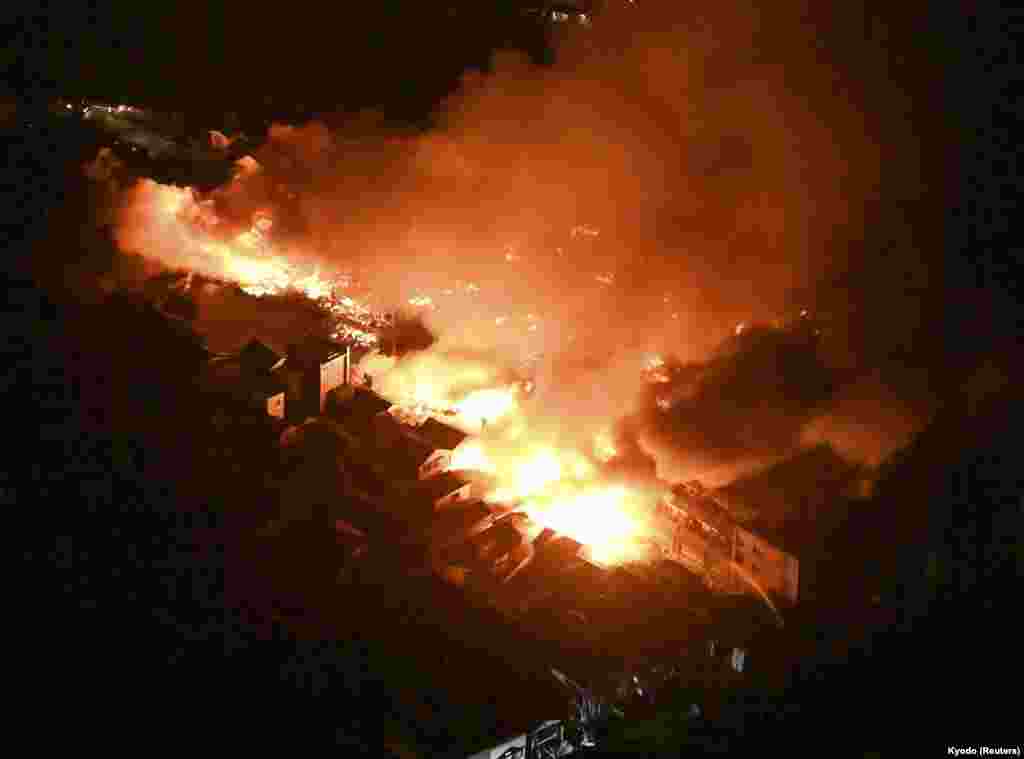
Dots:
pixel 491 403
pixel 599 517
pixel 466 393
pixel 561 489
pixel 172 224
pixel 471 455
pixel 537 472
pixel 557 482
pixel 604 446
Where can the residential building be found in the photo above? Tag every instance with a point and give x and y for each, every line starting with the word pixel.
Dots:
pixel 314 368
pixel 700 533
pixel 245 382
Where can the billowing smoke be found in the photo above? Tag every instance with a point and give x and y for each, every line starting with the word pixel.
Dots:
pixel 673 174
pixel 658 168
pixel 866 421
pixel 739 411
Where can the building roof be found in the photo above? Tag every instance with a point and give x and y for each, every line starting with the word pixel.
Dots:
pixel 793 537
pixel 408 455
pixel 227 378
pixel 257 356
pixel 442 485
pixel 503 534
pixel 364 405
pixel 316 435
pixel 438 435
pixel 314 351
pixel 448 523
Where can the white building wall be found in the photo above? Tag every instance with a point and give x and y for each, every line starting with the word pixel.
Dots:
pixel 776 570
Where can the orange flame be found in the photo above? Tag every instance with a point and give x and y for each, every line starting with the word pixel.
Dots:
pixel 466 393
pixel 169 224
pixel 557 485
pixel 560 488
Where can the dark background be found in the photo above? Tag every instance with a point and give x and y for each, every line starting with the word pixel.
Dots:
pixel 122 609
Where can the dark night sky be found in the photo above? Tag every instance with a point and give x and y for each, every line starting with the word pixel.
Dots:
pixel 280 62
pixel 237 56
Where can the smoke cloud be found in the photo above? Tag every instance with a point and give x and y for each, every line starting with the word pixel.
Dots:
pixel 704 174
pixel 674 173
pixel 741 410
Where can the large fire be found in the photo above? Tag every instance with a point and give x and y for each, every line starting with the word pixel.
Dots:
pixel 558 484
pixel 159 217
pixel 468 393
pixel 552 474
pixel 717 206
pixel 563 489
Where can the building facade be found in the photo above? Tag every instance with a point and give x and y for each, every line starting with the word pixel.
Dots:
pixel 696 532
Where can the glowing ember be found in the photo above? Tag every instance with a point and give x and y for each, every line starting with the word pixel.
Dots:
pixel 655 370
pixel 491 403
pixel 582 230
pixel 313 287
pixel 422 301
pixel 604 446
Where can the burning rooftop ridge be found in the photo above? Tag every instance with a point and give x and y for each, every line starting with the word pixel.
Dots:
pixel 173 225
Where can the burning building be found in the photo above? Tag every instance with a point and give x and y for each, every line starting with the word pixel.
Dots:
pixel 315 368
pixel 250 380
pixel 671 270
pixel 357 410
pixel 704 537
pixel 448 490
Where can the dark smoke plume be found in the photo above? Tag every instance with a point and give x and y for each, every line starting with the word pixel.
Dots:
pixel 742 409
